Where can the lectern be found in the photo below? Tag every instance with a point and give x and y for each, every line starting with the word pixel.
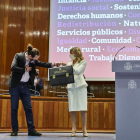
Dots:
pixel 127 94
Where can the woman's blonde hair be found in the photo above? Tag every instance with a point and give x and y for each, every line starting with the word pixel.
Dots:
pixel 78 52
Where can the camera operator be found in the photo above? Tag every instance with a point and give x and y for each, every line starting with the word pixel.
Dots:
pixel 38 84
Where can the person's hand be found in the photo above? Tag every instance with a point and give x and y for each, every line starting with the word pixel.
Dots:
pixel 56 64
pixel 63 63
pixel 28 68
pixel 37 81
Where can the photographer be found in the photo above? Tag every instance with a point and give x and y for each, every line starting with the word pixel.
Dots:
pixel 38 84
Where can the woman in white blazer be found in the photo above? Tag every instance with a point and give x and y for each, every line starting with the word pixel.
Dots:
pixel 77 92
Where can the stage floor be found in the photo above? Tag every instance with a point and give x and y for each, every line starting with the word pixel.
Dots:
pixel 58 136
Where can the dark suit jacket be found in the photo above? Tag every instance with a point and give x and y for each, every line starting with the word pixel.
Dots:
pixel 18 69
pixel 39 86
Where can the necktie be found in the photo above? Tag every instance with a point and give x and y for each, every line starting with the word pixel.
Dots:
pixel 32 61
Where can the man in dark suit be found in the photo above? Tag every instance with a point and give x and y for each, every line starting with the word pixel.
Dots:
pixel 23 73
pixel 38 84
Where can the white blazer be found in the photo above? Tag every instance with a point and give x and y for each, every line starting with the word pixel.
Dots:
pixel 78 70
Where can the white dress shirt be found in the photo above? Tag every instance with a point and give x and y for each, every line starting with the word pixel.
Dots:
pixel 25 76
pixel 35 81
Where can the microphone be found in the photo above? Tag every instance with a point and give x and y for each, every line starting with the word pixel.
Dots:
pixel 117 52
